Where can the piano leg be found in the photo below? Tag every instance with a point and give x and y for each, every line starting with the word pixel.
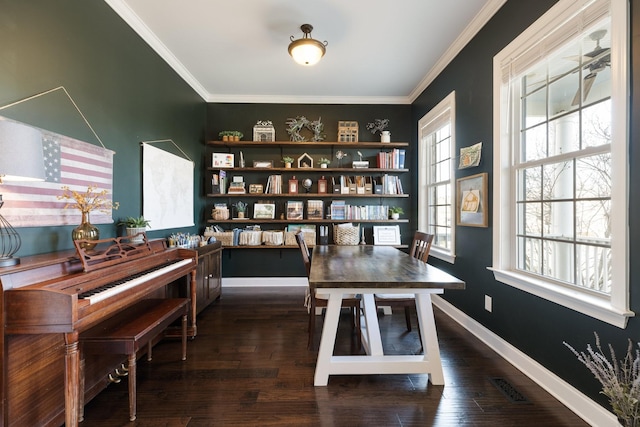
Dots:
pixel 132 386
pixel 71 378
pixel 193 302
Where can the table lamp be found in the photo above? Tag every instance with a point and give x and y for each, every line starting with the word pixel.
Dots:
pixel 21 159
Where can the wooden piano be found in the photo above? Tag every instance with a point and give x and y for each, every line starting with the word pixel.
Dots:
pixel 48 300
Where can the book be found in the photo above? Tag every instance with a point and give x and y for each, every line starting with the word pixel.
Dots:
pixel 295 210
pixel 315 209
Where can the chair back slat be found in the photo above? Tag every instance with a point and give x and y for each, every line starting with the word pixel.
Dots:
pixel 304 250
pixel 421 245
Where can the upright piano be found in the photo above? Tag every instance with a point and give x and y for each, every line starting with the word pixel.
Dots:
pixel 48 300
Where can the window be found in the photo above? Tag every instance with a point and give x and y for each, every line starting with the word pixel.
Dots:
pixel 435 195
pixel 560 166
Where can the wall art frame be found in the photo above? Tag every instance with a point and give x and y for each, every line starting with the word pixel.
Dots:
pixel 471 201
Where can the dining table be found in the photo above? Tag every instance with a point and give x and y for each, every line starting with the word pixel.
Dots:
pixel 367 270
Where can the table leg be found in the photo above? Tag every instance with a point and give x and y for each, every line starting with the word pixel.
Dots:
pixel 429 338
pixel 328 339
pixel 372 328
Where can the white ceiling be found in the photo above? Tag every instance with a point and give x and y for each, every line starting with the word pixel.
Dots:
pixel 379 51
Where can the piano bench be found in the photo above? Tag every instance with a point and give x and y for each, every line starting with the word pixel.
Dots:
pixel 134 328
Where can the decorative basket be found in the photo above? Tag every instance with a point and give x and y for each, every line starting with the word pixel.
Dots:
pixel 224 237
pixel 346 236
pixel 250 238
pixel 309 238
pixel 219 214
pixel 273 238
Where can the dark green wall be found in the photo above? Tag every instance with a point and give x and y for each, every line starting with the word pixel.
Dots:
pixel 126 91
pixel 533 325
pixel 242 117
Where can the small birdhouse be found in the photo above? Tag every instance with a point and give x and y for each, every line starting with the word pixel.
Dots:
pixel 347 131
pixel 305 161
pixel 264 131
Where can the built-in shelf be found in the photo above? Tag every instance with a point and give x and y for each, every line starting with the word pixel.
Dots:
pixel 323 144
pixel 289 247
pixel 310 195
pixel 305 221
pixel 314 170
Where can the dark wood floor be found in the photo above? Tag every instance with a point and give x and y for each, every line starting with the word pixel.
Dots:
pixel 249 366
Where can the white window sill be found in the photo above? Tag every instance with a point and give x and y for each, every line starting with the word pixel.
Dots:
pixel 443 255
pixel 595 306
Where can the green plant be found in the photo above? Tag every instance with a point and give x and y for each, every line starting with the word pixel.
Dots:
pixel 132 222
pixel 238 134
pixel 287 159
pixel 324 161
pixel 396 210
pixel 240 206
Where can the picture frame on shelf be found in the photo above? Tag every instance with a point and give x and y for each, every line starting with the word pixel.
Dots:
pixel 471 201
pixel 386 235
pixel 256 188
pixel 295 210
pixel 264 211
pixel 222 160
pixel 262 163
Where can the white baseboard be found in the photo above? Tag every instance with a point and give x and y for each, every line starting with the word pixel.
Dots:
pixel 230 282
pixel 576 401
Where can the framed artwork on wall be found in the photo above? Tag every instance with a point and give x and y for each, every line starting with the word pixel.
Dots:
pixel 471 201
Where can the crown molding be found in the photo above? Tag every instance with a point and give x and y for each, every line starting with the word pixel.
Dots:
pixel 130 17
pixel 479 21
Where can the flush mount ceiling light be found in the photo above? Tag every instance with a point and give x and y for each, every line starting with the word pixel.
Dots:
pixel 306 51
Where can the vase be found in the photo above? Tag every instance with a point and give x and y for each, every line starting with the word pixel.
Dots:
pixel 323 165
pixel 385 136
pixel 287 165
pixel 86 231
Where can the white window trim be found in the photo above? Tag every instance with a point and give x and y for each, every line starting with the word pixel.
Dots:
pixel 614 310
pixel 446 106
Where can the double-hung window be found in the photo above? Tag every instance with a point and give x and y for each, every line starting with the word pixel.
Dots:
pixel 436 132
pixel 560 159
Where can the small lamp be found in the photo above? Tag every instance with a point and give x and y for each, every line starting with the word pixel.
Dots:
pixel 307 51
pixel 21 159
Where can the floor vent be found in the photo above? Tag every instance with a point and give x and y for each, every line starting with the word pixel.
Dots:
pixel 508 390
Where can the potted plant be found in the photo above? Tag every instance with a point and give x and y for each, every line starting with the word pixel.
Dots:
pixel 395 212
pixel 241 208
pixel 288 161
pixel 379 125
pixel 135 225
pixel 324 162
pixel 230 135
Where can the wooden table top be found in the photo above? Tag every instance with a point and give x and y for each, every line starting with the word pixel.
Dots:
pixel 374 267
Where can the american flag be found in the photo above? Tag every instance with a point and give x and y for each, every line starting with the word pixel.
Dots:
pixel 68 162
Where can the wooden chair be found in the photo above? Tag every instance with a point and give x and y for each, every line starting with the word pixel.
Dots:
pixel 420 248
pixel 318 300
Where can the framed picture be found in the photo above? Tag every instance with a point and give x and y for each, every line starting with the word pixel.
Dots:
pixel 471 201
pixel 222 160
pixel 264 211
pixel 295 210
pixel 262 164
pixel 386 235
pixel 256 188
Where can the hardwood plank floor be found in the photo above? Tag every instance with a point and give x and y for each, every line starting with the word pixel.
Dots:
pixel 249 366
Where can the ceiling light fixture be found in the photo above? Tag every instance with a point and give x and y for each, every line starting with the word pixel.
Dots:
pixel 306 51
